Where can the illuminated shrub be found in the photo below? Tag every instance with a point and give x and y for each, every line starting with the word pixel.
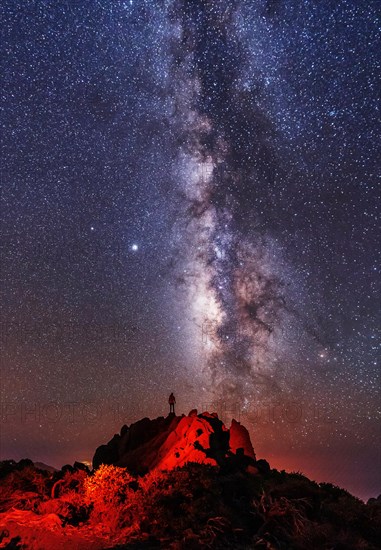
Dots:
pixel 151 481
pixel 111 494
pixel 22 486
pixel 68 482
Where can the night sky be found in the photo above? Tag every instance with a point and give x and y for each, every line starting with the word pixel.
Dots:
pixel 189 204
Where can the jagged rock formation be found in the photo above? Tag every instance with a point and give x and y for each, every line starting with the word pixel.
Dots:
pixel 240 439
pixel 167 442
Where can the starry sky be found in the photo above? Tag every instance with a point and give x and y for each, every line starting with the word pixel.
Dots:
pixel 190 204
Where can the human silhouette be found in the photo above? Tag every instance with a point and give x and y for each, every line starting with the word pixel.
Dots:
pixel 172 402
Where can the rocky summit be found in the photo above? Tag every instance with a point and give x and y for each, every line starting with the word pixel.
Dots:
pixel 168 442
pixel 180 483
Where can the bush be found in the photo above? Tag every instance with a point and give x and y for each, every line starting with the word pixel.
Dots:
pixel 114 503
pixel 66 481
pixel 22 486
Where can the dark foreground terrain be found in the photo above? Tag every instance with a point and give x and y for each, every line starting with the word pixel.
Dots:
pixel 227 501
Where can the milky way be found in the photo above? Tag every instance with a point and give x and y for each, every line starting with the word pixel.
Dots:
pixel 190 205
pixel 237 296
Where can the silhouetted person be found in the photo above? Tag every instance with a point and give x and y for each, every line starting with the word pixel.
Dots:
pixel 171 402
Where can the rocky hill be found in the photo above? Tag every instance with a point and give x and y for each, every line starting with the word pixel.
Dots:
pixel 173 441
pixel 175 483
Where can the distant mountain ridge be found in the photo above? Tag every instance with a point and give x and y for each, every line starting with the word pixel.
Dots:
pixel 46 467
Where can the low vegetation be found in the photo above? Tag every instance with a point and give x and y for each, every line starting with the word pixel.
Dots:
pixel 195 506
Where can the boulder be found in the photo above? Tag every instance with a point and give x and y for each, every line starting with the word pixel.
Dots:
pixel 240 439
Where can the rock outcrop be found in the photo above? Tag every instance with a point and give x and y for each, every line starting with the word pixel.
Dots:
pixel 165 443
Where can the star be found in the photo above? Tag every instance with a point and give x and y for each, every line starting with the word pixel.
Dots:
pixel 193 164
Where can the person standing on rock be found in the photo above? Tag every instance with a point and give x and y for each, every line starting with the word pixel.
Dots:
pixel 171 402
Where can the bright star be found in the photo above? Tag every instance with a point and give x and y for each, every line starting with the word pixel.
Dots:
pixel 134 247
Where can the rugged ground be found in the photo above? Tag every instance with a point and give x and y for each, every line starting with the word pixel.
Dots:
pixel 179 483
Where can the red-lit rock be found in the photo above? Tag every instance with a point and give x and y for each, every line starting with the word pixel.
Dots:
pixel 166 443
pixel 240 439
